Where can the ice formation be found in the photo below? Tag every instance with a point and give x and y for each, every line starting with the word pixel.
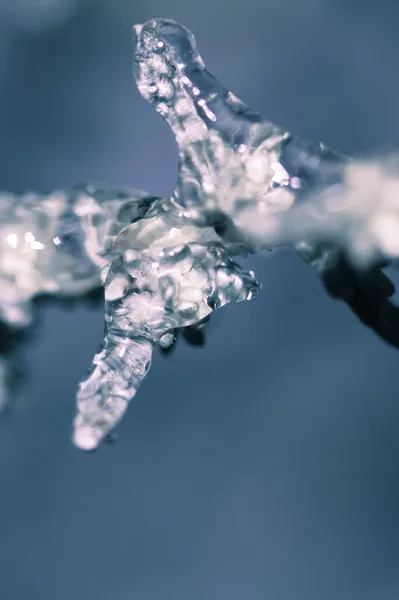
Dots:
pixel 165 274
pixel 244 185
pixel 57 244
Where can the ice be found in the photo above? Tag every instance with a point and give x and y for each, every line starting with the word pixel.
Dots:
pixel 165 274
pixel 57 244
pixel 232 162
pixel 266 186
pixel 272 187
pixel 243 185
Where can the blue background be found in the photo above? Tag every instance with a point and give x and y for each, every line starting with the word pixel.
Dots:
pixel 266 465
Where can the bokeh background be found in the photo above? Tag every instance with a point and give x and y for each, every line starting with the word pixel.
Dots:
pixel 265 465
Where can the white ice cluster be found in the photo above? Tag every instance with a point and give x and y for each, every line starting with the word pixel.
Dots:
pixel 244 185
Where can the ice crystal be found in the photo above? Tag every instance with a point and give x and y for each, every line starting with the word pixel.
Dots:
pixel 243 185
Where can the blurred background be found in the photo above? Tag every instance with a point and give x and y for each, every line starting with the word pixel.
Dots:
pixel 265 465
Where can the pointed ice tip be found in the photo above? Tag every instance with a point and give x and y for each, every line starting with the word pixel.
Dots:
pixel 86 439
pixel 137 30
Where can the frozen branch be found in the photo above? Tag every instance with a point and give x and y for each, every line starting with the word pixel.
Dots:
pixel 244 185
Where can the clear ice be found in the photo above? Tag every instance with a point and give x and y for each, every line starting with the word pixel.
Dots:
pixel 57 244
pixel 243 185
pixel 263 187
pixel 240 179
pixel 166 274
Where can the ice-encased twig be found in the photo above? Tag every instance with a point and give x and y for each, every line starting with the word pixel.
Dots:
pixel 239 176
pixel 232 161
pixel 269 187
pixel 272 187
pixel 244 184
pixel 166 274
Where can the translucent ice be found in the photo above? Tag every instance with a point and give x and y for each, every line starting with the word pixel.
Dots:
pixel 272 187
pixel 268 187
pixel 57 244
pixel 166 274
pixel 243 185
pixel 232 162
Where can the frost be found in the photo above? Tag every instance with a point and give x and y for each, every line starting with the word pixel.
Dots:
pixel 244 185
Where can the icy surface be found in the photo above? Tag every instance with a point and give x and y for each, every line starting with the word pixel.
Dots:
pixel 166 274
pixel 243 185
pixel 250 182
pixel 264 186
pixel 57 244
pixel 232 162
pixel 271 187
